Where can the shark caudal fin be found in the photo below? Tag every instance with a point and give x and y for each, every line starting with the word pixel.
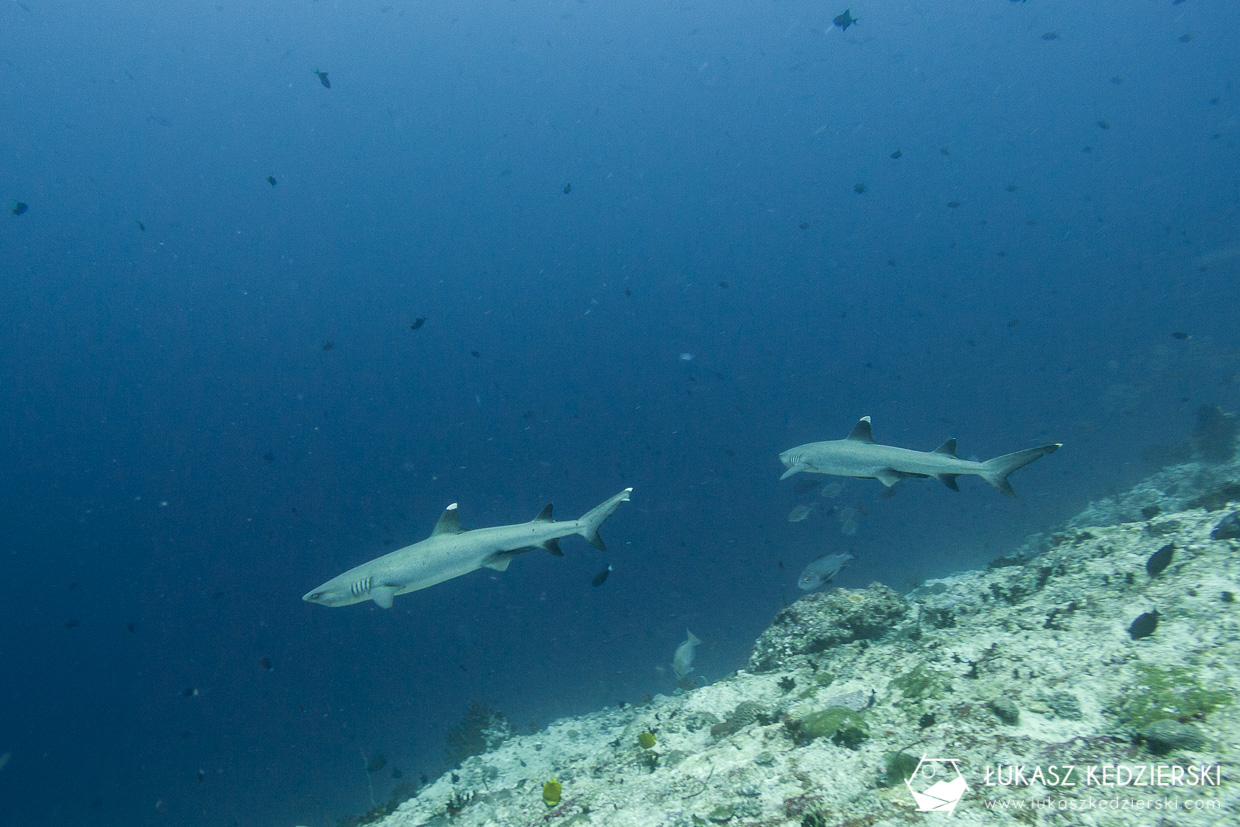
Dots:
pixel 995 471
pixel 592 519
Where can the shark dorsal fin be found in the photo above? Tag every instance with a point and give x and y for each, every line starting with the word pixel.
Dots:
pixel 449 522
pixel 948 448
pixel 544 516
pixel 861 431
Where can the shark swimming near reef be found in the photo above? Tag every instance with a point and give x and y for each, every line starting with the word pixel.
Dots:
pixel 452 551
pixel 858 455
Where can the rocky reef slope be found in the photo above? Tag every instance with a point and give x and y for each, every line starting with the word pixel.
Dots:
pixel 1114 643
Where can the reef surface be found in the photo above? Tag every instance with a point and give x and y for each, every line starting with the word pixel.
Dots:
pixel 1111 647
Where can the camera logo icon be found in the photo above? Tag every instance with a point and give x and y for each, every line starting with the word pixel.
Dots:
pixel 936 785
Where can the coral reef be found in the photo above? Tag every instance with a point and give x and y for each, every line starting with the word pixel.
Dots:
pixel 1029 663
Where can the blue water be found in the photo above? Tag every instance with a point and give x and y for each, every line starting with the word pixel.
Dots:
pixel 182 457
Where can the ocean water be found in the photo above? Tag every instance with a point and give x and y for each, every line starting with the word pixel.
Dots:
pixel 214 399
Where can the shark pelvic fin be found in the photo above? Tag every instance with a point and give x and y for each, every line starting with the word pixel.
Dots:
pixel 544 516
pixel 449 522
pixel 382 595
pixel 949 480
pixel 553 546
pixel 500 560
pixel 888 476
pixel 948 448
pixel 861 431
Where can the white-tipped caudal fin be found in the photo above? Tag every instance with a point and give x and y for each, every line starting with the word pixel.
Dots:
pixel 995 471
pixel 592 519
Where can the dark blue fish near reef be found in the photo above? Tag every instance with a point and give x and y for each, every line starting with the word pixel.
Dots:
pixel 323 79
pixel 601 577
pixel 19 207
pixel 845 20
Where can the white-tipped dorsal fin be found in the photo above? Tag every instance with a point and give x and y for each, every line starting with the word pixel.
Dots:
pixel 861 431
pixel 449 522
pixel 544 516
pixel 948 448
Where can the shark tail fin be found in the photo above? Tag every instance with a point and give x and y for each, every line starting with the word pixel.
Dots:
pixel 995 471
pixel 592 519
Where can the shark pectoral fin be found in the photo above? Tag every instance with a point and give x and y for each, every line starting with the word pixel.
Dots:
pixel 449 522
pixel 552 546
pixel 949 480
pixel 382 595
pixel 888 476
pixel 796 469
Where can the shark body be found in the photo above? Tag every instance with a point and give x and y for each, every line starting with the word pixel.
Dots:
pixel 452 551
pixel 860 456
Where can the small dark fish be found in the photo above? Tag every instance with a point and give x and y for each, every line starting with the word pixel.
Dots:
pixel 1159 560
pixel 19 207
pixel 130 627
pixel 568 188
pixel 1117 80
pixel 1176 2
pixel 323 79
pixel 804 225
pixel 1104 124
pixel 1185 38
pixel 724 285
pixel 377 763
pixel 1179 334
pixel 416 323
pixel 271 179
pixel 269 457
pixel 328 345
pixel 953 204
pixel 187 692
pixel 860 188
pixel 1051 36
pixel 845 20
pixel 72 623
pixel 202 776
pixel 396 773
pixel 1011 188
pixel 601 577
pixel 475 354
pixel 1144 625
pixel 141 226
pixel 822 570
pixel 265 663
pixel 899 153
pixel 628 291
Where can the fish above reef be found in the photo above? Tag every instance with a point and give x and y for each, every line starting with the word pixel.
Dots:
pixel 682 661
pixel 821 571
pixel 799 513
pixel 845 20
pixel 601 578
pixel 323 79
pixel 452 551
pixel 19 207
pixel 858 455
pixel 271 179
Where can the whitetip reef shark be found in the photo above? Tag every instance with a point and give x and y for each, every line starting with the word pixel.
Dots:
pixel 860 456
pixel 452 551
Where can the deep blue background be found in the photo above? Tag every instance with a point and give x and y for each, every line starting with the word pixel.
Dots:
pixel 144 374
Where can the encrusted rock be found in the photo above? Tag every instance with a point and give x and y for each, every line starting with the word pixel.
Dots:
pixel 1005 709
pixel 1169 734
pixel 1228 528
pixel 819 621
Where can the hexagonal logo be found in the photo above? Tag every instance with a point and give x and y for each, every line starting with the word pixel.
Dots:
pixel 936 785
